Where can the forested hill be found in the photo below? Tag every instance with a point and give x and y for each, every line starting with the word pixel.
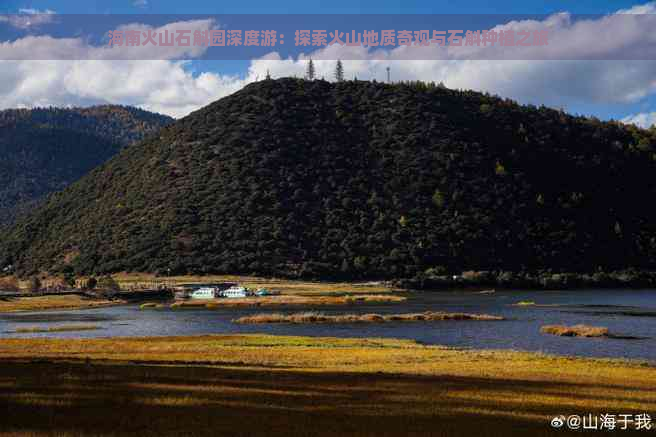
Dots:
pixel 44 150
pixel 358 179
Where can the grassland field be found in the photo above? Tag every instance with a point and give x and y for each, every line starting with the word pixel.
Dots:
pixel 278 385
pixel 44 303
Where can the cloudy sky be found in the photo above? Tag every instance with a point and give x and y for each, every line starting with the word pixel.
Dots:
pixel 179 81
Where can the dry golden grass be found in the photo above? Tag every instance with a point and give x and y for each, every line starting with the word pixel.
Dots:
pixel 155 306
pixel 61 328
pixel 9 283
pixel 41 303
pixel 260 384
pixel 575 331
pixel 324 354
pixel 284 286
pixel 316 317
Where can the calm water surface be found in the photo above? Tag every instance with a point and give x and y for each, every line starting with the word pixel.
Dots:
pixel 627 312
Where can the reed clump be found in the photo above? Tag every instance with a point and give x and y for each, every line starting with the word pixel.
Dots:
pixel 63 328
pixel 575 331
pixel 317 317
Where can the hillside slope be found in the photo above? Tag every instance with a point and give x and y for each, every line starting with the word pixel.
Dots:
pixel 44 150
pixel 359 179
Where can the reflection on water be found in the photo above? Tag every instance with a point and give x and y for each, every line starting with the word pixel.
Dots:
pixel 624 312
pixel 627 311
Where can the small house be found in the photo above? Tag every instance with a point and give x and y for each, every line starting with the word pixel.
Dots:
pixel 235 292
pixel 205 293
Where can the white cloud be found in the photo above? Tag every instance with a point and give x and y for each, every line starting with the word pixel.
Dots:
pixel 32 11
pixel 647 8
pixel 556 83
pixel 643 119
pixel 44 47
pixel 167 86
pixel 162 86
pixel 140 3
pixel 101 76
pixel 155 52
pixel 28 18
pixel 570 70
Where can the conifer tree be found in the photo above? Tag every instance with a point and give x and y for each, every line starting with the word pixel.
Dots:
pixel 339 71
pixel 310 70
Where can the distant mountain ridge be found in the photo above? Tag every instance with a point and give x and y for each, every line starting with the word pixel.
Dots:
pixel 45 149
pixel 356 179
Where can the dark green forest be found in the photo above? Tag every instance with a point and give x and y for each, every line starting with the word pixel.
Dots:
pixel 359 180
pixel 45 149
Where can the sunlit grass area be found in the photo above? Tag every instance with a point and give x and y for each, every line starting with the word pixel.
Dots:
pixel 40 303
pixel 319 353
pixel 59 328
pixel 262 384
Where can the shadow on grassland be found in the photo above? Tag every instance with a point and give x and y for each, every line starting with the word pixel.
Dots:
pixel 64 398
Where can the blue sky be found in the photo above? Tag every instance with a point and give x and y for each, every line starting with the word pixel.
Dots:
pixel 212 79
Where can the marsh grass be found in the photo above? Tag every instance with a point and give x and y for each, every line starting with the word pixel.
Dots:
pixel 575 331
pixel 42 303
pixel 61 328
pixel 152 305
pixel 317 317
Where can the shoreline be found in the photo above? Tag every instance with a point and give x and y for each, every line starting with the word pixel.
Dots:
pixel 54 303
pixel 73 302
pixel 92 348
pixel 21 336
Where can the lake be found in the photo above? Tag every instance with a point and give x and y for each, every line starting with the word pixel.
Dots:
pixel 627 312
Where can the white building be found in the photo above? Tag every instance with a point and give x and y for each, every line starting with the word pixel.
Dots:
pixel 205 293
pixel 235 292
